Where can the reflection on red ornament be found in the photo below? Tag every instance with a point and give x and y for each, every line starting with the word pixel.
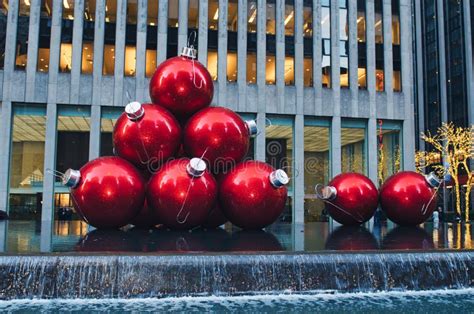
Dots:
pixel 351 238
pixel 146 135
pixel 350 198
pixel 107 192
pixel 220 136
pixel 182 193
pixel 182 85
pixel 253 195
pixel 409 198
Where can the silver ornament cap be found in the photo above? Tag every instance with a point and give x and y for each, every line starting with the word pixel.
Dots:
pixel 134 110
pixel 278 178
pixel 196 167
pixel 189 52
pixel 325 193
pixel 432 180
pixel 71 178
pixel 252 127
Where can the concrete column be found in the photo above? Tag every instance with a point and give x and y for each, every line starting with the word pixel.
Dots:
pixel 298 170
pixel 388 55
pixel 242 54
pixel 32 57
pixel 182 24
pixel 94 138
pixel 317 58
pixel 6 117
pixel 54 51
pixel 99 27
pixel 353 57
pixel 280 54
pixel 468 46
pixel 260 147
pixel 120 29
pixel 202 31
pixel 336 90
pixel 77 33
pixel 141 86
pixel 222 54
pixel 47 211
pixel 407 83
pixel 442 58
pixel 161 49
pixel 419 73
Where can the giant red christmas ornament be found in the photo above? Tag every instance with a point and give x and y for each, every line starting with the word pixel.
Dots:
pixel 350 198
pixel 107 192
pixel 219 135
pixel 146 218
pixel 409 198
pixel 146 135
pixel 215 218
pixel 182 193
pixel 182 84
pixel 253 195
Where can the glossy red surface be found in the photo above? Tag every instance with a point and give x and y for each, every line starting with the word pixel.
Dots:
pixel 146 218
pixel 351 238
pixel 247 197
pixel 168 191
pixel 172 86
pixel 407 238
pixel 405 198
pixel 253 241
pixel 215 218
pixel 149 141
pixel 218 134
pixel 110 193
pixel 356 200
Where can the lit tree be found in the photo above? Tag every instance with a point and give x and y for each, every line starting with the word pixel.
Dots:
pixel 455 144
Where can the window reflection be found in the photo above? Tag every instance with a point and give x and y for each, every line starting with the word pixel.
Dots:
pixel 213 14
pixel 326 44
pixel 389 153
pixel 289 18
pixel 353 149
pixel 316 160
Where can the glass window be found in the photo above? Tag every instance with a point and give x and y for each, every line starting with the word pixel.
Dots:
pixel 270 70
pixel 344 44
pixel 109 47
pixel 193 16
pixel 289 18
pixel 65 57
pixel 397 82
pixel 251 68
pixel 252 16
pixel 270 67
pixel 3 30
pixel 73 131
pixel 213 14
pixel 151 36
pixel 88 37
pixel 22 35
pixel 44 36
pixel 379 57
pixel 308 20
pixel 353 147
pixel 173 13
pixel 389 150
pixel 308 44
pixel 131 39
pixel 361 45
pixel 27 161
pixel 232 15
pixel 212 64
pixel 279 154
pixel 326 45
pixel 271 16
pixel 232 66
pixel 290 70
pixel 107 122
pixel 308 72
pixel 316 168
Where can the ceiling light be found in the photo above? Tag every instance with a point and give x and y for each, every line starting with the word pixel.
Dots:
pixel 216 15
pixel 253 16
pixel 27 3
pixel 378 23
pixel 66 4
pixel 152 24
pixel 289 17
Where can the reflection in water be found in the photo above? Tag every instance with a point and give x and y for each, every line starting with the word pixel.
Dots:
pixel 407 238
pixel 253 240
pixel 351 238
pixel 108 241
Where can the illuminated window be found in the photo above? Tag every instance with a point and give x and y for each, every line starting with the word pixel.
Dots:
pixel 88 37
pixel 270 67
pixel 316 169
pixel 213 14
pixel 109 40
pixel 270 70
pixel 344 44
pixel 397 82
pixel 232 67
pixel 251 68
pixel 65 56
pixel 308 21
pixel 308 72
pixel 22 35
pixel 326 44
pixel 289 18
pixel 151 36
pixel 290 70
pixel 252 16
pixel 271 17
pixel 44 37
pixel 353 147
pixel 308 44
pixel 152 8
pixel 131 39
pixel 212 64
pixel 232 15
pixel 361 45
pixel 379 57
pixel 389 150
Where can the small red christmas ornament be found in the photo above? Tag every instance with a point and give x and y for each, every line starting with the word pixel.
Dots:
pixel 146 218
pixel 409 198
pixel 351 238
pixel 215 218
pixel 220 136
pixel 350 198
pixel 147 135
pixel 182 193
pixel 182 85
pixel 253 195
pixel 107 192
